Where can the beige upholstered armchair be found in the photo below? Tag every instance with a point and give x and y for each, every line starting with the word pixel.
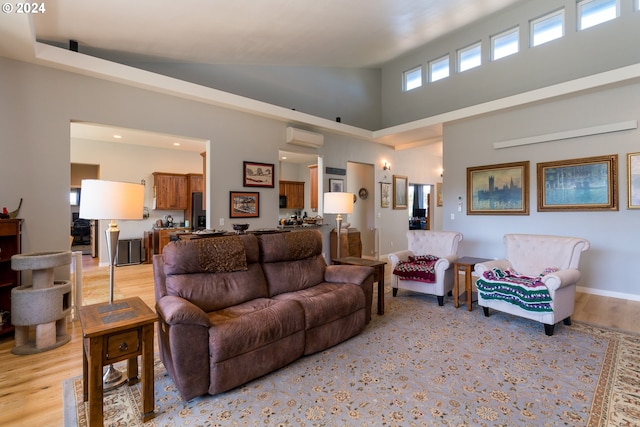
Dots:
pixel 537 280
pixel 442 245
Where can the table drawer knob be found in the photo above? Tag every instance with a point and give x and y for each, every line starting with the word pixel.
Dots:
pixel 123 347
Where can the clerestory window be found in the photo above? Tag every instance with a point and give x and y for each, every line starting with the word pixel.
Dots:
pixel 439 69
pixel 469 57
pixel 547 28
pixel 505 44
pixel 412 79
pixel 594 12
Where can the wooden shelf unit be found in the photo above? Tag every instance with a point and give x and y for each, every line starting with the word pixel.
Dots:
pixel 10 244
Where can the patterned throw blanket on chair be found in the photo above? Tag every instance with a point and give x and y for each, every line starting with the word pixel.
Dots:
pixel 419 268
pixel 526 292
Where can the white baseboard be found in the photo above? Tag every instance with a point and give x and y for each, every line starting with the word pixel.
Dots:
pixel 610 294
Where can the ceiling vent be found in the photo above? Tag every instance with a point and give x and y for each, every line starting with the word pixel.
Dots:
pixel 304 138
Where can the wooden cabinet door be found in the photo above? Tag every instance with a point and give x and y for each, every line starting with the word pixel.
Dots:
pixel 294 190
pixel 196 183
pixel 313 183
pixel 170 191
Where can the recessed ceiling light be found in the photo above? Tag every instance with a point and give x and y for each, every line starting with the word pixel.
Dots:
pixel 117 136
pixel 177 144
pixel 284 157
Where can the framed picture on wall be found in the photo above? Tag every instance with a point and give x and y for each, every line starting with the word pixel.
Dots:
pixel 633 180
pixel 438 194
pixel 501 189
pixel 400 192
pixel 258 174
pixel 385 194
pixel 244 204
pixel 585 184
pixel 336 185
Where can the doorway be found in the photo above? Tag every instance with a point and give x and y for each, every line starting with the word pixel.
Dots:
pixel 420 196
pixel 361 182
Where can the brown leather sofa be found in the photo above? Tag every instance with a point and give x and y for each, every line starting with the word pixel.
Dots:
pixel 234 308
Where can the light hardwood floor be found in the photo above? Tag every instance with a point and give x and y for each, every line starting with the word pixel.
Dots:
pixel 31 386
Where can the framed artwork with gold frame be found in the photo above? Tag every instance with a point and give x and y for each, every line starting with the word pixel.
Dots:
pixel 501 189
pixel 400 191
pixel 586 184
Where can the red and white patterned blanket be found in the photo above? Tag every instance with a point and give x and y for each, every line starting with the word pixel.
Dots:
pixel 420 268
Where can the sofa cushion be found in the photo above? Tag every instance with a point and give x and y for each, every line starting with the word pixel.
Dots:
pixel 290 246
pixel 182 257
pixel 291 276
pixel 245 327
pixel 327 302
pixel 186 277
pixel 214 291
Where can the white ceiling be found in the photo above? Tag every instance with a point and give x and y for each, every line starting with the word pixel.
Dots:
pixel 351 33
pixel 105 133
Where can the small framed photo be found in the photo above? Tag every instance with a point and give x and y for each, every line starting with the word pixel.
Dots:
pixel 501 189
pixel 258 174
pixel 585 184
pixel 336 185
pixel 385 194
pixel 633 180
pixel 400 191
pixel 244 204
pixel 438 194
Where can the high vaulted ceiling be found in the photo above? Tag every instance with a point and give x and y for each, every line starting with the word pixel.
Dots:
pixel 340 33
pixel 345 33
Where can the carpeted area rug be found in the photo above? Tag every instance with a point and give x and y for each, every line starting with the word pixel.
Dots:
pixel 419 365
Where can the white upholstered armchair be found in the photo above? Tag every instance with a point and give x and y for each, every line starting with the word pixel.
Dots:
pixel 441 244
pixel 536 263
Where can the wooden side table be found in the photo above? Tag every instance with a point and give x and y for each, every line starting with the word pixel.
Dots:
pixel 111 333
pixel 378 274
pixel 466 263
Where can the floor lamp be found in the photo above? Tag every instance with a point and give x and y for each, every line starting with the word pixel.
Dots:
pixel 111 200
pixel 338 203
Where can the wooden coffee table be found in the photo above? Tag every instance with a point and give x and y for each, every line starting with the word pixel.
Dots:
pixel 467 264
pixel 378 274
pixel 114 332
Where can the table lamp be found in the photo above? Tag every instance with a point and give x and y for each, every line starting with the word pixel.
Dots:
pixel 111 200
pixel 338 203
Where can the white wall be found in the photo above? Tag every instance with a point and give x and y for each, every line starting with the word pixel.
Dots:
pixel 607 266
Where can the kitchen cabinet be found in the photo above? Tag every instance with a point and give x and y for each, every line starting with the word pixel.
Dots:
pixel 10 242
pixel 196 182
pixel 170 191
pixel 350 243
pixel 294 190
pixel 313 191
pixel 162 237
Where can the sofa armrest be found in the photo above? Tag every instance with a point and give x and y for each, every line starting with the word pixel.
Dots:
pixel 175 310
pixel 347 274
pixel 502 264
pixel 561 278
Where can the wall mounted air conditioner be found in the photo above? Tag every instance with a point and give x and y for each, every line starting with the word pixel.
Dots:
pixel 304 138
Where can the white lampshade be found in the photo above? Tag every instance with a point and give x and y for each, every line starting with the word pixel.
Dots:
pixel 111 200
pixel 338 203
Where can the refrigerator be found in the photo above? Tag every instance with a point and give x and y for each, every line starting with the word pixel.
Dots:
pixel 198 214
